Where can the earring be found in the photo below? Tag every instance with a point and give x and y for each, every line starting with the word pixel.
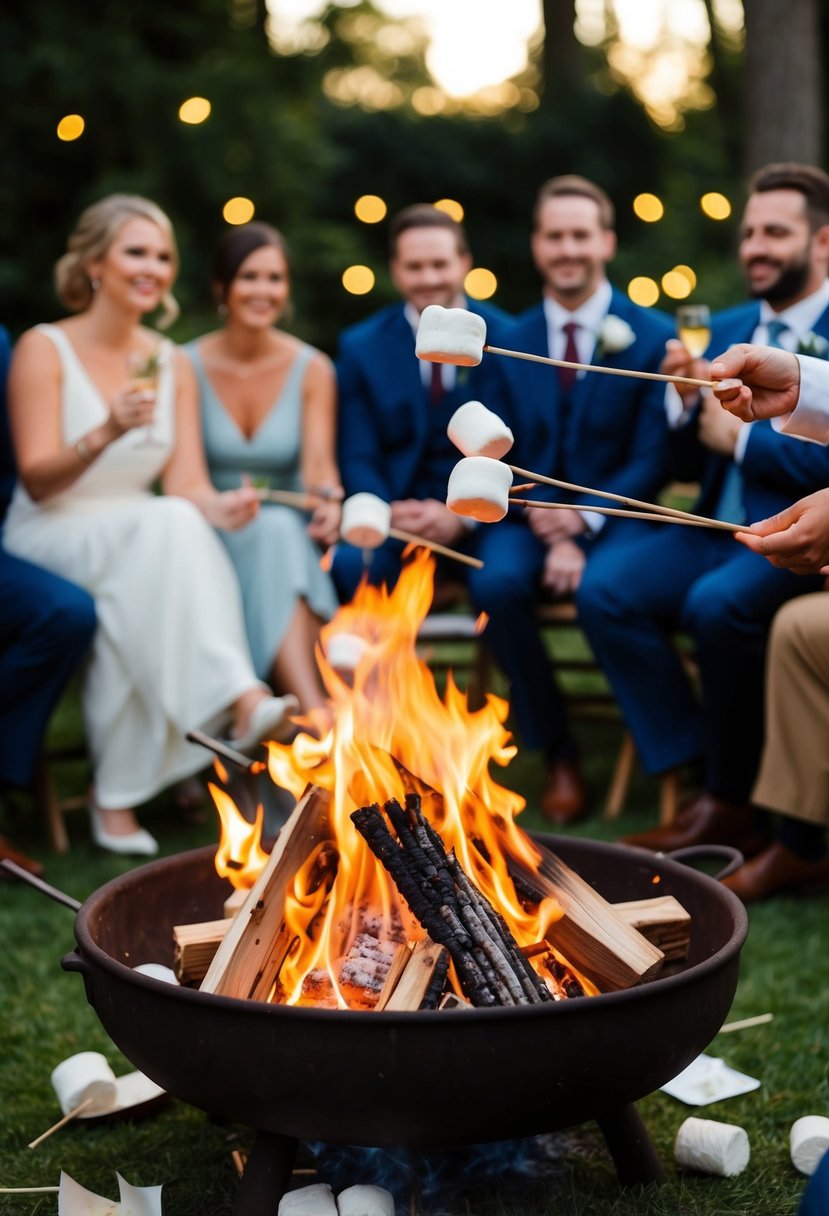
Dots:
pixel 94 284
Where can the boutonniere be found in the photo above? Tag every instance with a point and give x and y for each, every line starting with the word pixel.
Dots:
pixel 812 344
pixel 615 335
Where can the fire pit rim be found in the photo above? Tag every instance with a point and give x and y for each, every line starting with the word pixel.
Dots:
pixel 659 863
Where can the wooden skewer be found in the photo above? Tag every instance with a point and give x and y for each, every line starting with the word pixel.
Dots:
pixel 226 753
pixel 608 371
pixel 29 1190
pixel 745 1023
pixel 658 518
pixel 626 502
pixel 72 1114
pixel 290 498
pixel 411 539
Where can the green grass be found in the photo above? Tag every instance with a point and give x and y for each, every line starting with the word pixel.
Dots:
pixel 45 1017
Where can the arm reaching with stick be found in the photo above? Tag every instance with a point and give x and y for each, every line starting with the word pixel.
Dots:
pixel 796 539
pixel 757 381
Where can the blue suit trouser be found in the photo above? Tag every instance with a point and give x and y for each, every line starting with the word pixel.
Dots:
pixel 704 584
pixel 46 627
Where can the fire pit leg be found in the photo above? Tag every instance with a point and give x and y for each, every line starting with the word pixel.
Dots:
pixel 634 1156
pixel 267 1175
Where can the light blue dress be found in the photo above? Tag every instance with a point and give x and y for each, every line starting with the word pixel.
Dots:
pixel 276 561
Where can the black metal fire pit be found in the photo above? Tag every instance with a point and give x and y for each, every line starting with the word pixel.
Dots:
pixel 371 1078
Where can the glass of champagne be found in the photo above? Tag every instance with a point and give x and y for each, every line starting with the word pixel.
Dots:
pixel 142 371
pixel 693 327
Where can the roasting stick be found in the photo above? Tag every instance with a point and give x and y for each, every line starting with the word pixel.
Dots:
pixel 659 518
pixel 291 498
pixel 226 753
pixel 29 1190
pixel 608 371
pixel 626 502
pixel 72 1114
pixel 411 539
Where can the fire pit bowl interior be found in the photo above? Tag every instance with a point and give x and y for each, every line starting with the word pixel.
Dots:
pixel 381 1079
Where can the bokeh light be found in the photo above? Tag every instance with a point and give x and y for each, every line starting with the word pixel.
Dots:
pixel 690 274
pixel 358 280
pixel 715 205
pixel 648 208
pixel 370 209
pixel 70 127
pixel 643 290
pixel 480 283
pixel 676 284
pixel 452 207
pixel 194 110
pixel 238 210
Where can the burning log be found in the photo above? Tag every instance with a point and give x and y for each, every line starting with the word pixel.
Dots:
pixel 490 967
pixel 364 970
pixel 421 984
pixel 663 921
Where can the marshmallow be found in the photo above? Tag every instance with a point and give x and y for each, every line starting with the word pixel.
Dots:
pixel 809 1140
pixel 344 650
pixel 157 971
pixel 479 487
pixel 366 520
pixel 365 1201
pixel 450 335
pixel 712 1147
pixel 316 1200
pixel 85 1077
pixel 478 432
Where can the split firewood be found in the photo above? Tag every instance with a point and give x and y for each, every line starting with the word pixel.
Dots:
pixel 194 948
pixel 422 982
pixel 254 947
pixel 452 1001
pixel 398 966
pixel 663 921
pixel 490 967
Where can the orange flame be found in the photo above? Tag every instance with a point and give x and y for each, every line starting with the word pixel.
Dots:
pixel 240 857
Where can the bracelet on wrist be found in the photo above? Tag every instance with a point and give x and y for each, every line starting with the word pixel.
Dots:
pixel 83 450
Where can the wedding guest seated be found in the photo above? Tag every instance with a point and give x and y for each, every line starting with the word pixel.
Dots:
pixel 169 654
pixel 268 412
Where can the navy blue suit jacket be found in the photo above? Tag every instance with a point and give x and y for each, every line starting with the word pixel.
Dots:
pixel 384 406
pixel 616 437
pixel 8 469
pixel 776 469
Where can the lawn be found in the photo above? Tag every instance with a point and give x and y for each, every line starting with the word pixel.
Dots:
pixel 45 1017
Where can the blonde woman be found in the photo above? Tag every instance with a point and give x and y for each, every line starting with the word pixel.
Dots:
pixel 170 652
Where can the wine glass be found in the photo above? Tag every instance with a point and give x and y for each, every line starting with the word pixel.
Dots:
pixel 693 326
pixel 142 373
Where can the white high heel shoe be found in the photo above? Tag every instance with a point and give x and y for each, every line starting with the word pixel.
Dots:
pixel 269 719
pixel 139 843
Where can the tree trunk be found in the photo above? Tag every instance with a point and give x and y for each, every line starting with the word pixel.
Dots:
pixel 561 64
pixel 782 117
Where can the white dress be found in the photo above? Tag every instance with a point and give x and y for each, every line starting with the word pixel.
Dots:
pixel 170 652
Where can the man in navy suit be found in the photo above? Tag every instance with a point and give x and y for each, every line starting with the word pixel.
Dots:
pixel 46 626
pixel 394 408
pixel 592 429
pixel 701 582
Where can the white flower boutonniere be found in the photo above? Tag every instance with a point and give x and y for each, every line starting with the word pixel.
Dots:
pixel 615 336
pixel 812 344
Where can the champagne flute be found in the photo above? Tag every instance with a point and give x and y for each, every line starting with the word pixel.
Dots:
pixel 142 372
pixel 693 326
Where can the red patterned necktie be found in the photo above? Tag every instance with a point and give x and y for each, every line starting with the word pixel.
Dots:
pixel 436 385
pixel 567 375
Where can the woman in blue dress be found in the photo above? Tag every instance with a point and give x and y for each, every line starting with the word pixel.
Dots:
pixel 268 411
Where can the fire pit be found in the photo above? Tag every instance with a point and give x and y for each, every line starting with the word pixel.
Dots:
pixel 381 1079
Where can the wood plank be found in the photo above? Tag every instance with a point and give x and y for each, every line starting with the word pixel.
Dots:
pixel 195 946
pixel 417 975
pixel 398 966
pixel 663 921
pixel 246 963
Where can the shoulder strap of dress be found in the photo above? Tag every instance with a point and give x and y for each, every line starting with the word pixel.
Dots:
pixel 58 337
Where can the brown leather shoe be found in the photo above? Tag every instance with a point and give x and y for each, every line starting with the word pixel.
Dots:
pixel 563 797
pixel 8 851
pixel 776 869
pixel 705 820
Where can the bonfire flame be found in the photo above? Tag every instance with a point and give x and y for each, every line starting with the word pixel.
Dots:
pixel 392 733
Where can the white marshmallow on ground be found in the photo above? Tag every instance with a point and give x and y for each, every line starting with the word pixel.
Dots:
pixel 479 488
pixel 344 650
pixel 711 1147
pixel 316 1200
pixel 365 521
pixel 477 431
pixel 450 335
pixel 365 1201
pixel 157 971
pixel 809 1140
pixel 85 1077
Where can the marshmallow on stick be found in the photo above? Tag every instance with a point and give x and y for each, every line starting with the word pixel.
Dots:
pixel 450 335
pixel 477 431
pixel 366 523
pixel 479 488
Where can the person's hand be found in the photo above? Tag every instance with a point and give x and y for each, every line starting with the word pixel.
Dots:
pixel 133 407
pixel 324 525
pixel 756 381
pixel 678 361
pixel 718 430
pixel 563 568
pixel 796 539
pixel 428 518
pixel 232 509
pixel 554 526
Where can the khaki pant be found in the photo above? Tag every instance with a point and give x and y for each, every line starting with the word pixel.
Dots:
pixel 794 771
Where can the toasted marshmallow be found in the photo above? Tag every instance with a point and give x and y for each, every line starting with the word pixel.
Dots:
pixel 366 520
pixel 344 651
pixel 476 431
pixel 479 487
pixel 450 335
